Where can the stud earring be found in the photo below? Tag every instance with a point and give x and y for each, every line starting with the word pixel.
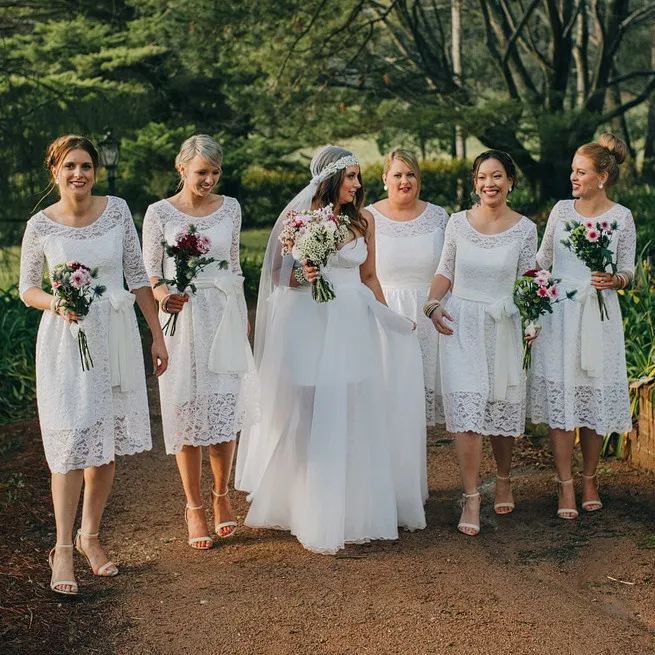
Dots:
pixel 511 189
pixel 600 186
pixel 386 188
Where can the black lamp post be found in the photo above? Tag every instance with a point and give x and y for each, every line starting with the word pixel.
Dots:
pixel 110 152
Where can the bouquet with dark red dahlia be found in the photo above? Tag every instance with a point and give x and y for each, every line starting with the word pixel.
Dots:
pixel 188 253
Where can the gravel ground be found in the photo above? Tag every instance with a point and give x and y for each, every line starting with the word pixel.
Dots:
pixel 529 583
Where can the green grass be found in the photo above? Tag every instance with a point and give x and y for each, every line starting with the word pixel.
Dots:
pixel 253 242
pixel 9 267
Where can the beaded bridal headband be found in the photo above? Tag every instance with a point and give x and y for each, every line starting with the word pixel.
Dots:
pixel 335 167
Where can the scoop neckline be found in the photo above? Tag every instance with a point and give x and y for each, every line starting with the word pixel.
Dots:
pixel 411 220
pixel 80 227
pixel 200 218
pixel 593 218
pixel 498 234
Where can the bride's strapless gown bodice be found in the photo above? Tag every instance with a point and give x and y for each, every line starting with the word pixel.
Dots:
pixel 343 266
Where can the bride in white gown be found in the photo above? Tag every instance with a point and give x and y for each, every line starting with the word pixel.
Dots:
pixel 338 453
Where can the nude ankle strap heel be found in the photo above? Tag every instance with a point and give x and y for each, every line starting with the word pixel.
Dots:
pixel 56 585
pixel 225 524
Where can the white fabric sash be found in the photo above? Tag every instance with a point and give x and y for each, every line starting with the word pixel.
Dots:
pixel 591 333
pixel 228 351
pixel 507 365
pixel 122 353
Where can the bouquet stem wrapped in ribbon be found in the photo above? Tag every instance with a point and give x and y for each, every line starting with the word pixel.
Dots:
pixel 188 253
pixel 310 237
pixel 72 283
pixel 590 241
pixel 535 293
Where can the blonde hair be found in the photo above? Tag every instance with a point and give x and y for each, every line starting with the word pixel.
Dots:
pixel 203 145
pixel 408 158
pixel 607 155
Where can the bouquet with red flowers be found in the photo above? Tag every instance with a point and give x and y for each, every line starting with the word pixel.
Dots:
pixel 535 293
pixel 188 253
pixel 590 241
pixel 72 284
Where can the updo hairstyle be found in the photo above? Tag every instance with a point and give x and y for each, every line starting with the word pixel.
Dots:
pixel 506 161
pixel 607 155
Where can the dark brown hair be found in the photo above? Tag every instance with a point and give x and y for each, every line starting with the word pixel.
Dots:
pixel 607 155
pixel 506 161
pixel 328 192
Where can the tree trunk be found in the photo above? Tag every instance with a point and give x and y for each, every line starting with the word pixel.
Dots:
pixel 648 169
pixel 456 18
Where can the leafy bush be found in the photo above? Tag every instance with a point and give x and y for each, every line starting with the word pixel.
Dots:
pixel 18 326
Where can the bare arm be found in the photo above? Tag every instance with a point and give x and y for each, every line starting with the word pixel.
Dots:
pixel 367 270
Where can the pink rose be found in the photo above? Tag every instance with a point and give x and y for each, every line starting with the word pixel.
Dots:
pixel 542 292
pixel 592 235
pixel 203 244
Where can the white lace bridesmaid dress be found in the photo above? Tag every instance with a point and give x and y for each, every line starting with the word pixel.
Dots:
pixel 90 417
pixel 578 376
pixel 407 254
pixel 481 363
pixel 210 382
pixel 345 381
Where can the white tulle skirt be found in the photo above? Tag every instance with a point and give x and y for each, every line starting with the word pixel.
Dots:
pixel 339 454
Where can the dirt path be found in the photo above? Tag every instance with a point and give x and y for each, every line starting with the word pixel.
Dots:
pixel 530 583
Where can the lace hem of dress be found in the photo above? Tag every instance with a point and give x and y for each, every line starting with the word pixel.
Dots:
pixel 472 412
pixel 602 410
pixel 202 421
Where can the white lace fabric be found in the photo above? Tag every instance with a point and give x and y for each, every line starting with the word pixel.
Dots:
pixel 199 407
pixel 560 393
pixel 407 256
pixel 84 420
pixel 485 267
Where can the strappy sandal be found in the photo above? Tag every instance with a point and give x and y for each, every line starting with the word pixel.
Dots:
pixel 469 529
pixel 107 570
pixel 568 514
pixel 591 505
pixel 509 506
pixel 197 540
pixel 57 585
pixel 225 524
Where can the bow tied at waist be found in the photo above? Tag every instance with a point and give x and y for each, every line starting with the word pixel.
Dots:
pixel 228 351
pixel 507 362
pixel 122 354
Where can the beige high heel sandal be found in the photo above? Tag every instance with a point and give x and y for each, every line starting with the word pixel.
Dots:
pixel 510 505
pixel 591 505
pixel 462 526
pixel 56 585
pixel 197 540
pixel 568 514
pixel 108 569
pixel 225 524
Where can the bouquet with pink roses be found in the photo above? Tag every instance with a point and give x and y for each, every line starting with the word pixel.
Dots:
pixel 590 241
pixel 72 283
pixel 188 253
pixel 535 293
pixel 310 237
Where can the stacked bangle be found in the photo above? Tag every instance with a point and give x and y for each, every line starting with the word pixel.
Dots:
pixel 430 306
pixel 623 278
pixel 163 303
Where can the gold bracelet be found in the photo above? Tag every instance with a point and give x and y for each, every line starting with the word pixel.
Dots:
pixel 430 306
pixel 163 303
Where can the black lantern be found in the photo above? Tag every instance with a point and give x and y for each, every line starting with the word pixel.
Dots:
pixel 110 153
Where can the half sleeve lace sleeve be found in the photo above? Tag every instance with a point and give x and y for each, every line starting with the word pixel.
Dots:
pixel 133 267
pixel 545 254
pixel 447 262
pixel 153 251
pixel 31 261
pixel 627 246
pixel 528 254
